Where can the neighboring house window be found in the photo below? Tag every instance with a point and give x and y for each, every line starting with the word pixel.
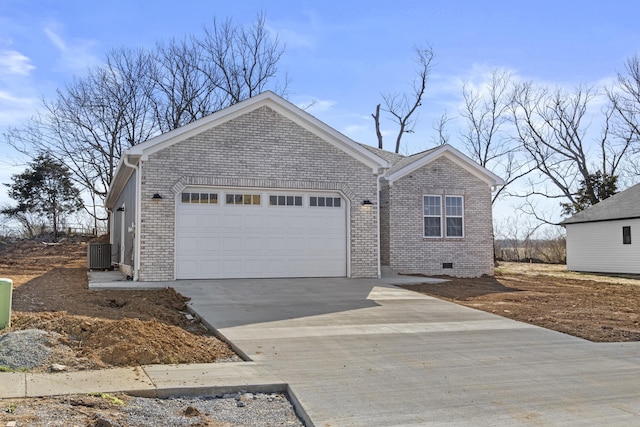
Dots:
pixel 330 202
pixel 453 216
pixel 243 199
pixel 432 216
pixel 285 200
pixel 211 198
pixel 626 235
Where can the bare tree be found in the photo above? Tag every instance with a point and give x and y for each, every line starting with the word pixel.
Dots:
pixel 625 100
pixel 552 127
pixel 240 61
pixel 180 91
pixel 440 127
pixel 136 94
pixel 401 107
pixel 486 111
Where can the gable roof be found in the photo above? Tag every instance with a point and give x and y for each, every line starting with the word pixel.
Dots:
pixel 141 151
pixel 411 163
pixel 623 205
pixel 274 102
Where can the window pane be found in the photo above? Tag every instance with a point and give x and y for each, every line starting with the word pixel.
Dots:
pixel 336 202
pixel 230 199
pixel 432 205
pixel 273 200
pixel 329 201
pixel 320 201
pixel 185 197
pixel 256 199
pixel 453 206
pixel 454 227
pixel 626 235
pixel 213 198
pixel 195 197
pixel 313 201
pixel 289 200
pixel 281 200
pixel 204 197
pixel 432 227
pixel 298 201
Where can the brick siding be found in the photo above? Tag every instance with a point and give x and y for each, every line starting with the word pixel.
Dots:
pixel 259 149
pixel 410 252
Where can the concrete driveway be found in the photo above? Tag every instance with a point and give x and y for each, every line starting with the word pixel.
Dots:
pixel 359 352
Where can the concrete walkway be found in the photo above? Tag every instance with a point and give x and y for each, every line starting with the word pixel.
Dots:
pixel 363 353
pixel 206 379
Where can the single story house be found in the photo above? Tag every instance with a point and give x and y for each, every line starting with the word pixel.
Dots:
pixel 600 238
pixel 264 189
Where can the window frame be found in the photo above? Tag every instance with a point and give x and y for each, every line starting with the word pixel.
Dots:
pixel 242 199
pixel 443 216
pixel 461 216
pixel 626 234
pixel 425 216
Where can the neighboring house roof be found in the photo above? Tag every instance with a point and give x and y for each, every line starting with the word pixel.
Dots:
pixel 411 163
pixel 623 205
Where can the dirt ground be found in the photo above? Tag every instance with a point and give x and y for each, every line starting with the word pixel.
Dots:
pixel 600 308
pixel 100 329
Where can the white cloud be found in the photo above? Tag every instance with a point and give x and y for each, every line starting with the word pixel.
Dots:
pixel 75 54
pixel 291 38
pixel 14 108
pixel 13 62
pixel 314 105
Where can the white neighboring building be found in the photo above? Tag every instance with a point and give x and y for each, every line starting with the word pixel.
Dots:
pixel 605 237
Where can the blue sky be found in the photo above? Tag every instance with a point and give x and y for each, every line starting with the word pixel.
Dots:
pixel 342 54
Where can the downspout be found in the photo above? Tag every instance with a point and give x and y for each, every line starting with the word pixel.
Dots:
pixel 380 176
pixel 136 237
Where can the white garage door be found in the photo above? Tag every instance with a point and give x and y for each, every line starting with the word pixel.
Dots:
pixel 253 234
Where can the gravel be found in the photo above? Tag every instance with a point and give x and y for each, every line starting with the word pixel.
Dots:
pixel 242 409
pixel 32 348
pixel 26 349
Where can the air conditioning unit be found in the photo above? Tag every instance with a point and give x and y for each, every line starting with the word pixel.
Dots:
pixel 99 256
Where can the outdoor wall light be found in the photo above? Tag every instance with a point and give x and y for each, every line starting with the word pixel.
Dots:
pixel 157 196
pixel 366 202
pixel 120 209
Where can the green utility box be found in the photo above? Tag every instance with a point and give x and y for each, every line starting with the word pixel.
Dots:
pixel 6 292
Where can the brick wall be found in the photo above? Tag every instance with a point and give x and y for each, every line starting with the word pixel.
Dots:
pixel 259 149
pixel 410 252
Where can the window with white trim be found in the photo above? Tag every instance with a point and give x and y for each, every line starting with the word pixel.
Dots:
pixel 432 216
pixel 242 199
pixel 205 198
pixel 279 200
pixel 452 216
pixel 329 202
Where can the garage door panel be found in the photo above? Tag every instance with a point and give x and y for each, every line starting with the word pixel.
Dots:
pixel 232 245
pixel 254 244
pixel 276 244
pixel 252 241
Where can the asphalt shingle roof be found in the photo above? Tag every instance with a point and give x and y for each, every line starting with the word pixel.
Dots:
pixel 625 204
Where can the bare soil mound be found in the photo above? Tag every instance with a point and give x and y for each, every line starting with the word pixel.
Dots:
pixel 100 329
